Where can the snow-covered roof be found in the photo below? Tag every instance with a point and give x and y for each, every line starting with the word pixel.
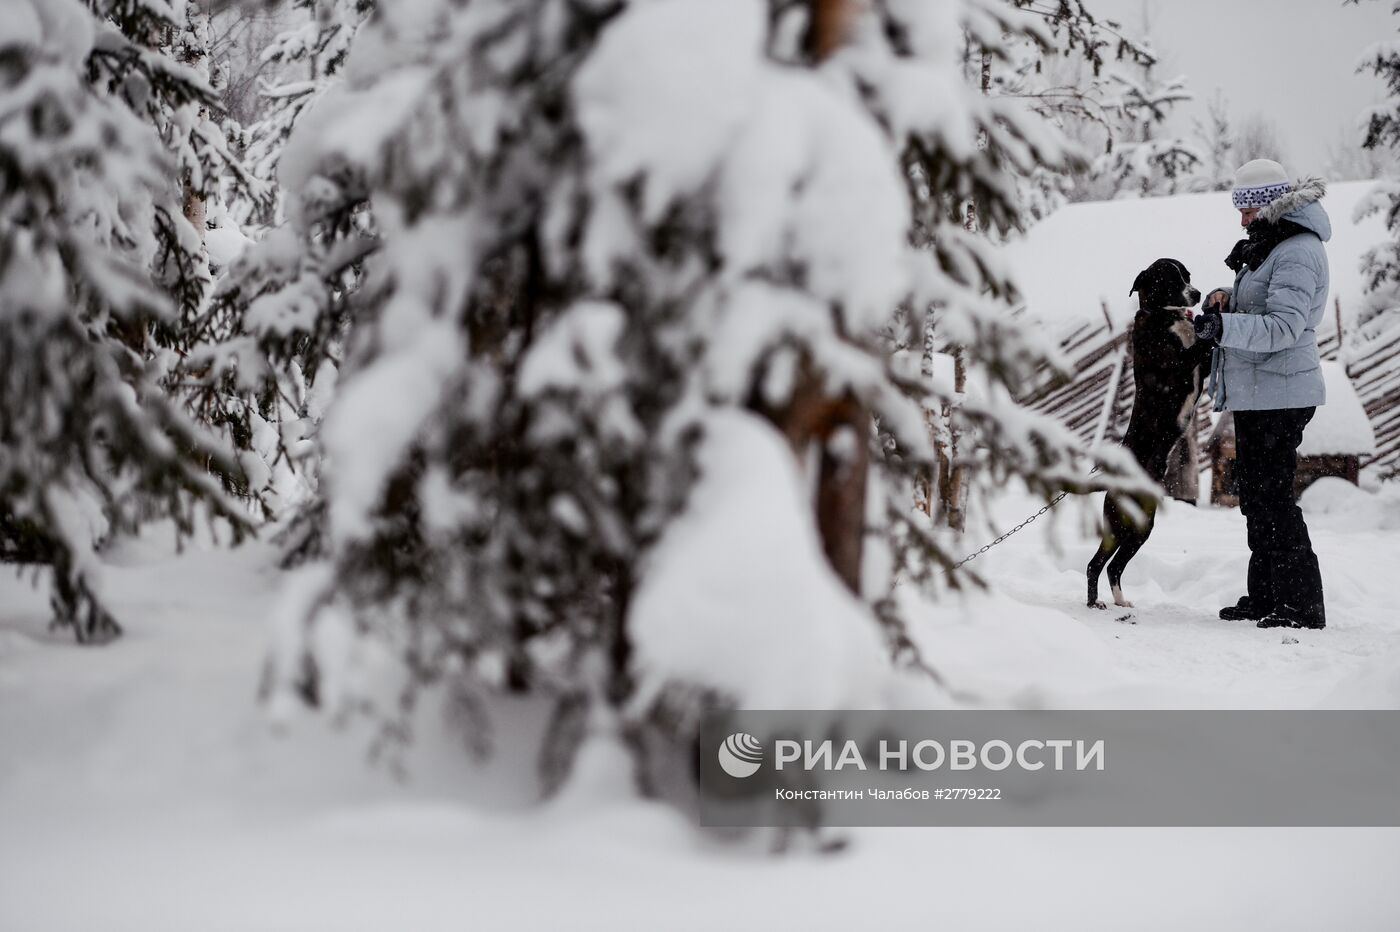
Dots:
pixel 1084 256
pixel 1341 425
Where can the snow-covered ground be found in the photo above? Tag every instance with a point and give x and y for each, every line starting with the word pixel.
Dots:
pixel 142 787
pixel 1170 650
pixel 146 785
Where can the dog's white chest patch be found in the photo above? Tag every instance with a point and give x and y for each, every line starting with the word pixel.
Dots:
pixel 1185 332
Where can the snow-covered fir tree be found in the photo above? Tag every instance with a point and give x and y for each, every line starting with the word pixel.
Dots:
pixel 1143 160
pixel 1381 265
pixel 96 256
pixel 153 56
pixel 1063 68
pixel 1219 152
pixel 1379 315
pixel 1053 62
pixel 241 34
pixel 1096 81
pixel 636 275
pixel 306 59
pixel 258 366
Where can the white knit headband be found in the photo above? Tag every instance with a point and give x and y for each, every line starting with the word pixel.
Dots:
pixel 1245 198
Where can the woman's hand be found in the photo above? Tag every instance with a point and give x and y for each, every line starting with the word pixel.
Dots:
pixel 1209 326
pixel 1219 299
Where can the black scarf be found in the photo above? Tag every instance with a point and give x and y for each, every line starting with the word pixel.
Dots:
pixel 1263 236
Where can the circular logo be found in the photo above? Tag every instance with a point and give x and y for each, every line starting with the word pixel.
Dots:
pixel 740 755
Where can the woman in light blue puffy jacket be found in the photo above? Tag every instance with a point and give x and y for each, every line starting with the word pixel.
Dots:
pixel 1265 369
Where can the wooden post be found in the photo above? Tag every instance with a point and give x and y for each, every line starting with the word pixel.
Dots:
pixel 1341 343
pixel 1110 401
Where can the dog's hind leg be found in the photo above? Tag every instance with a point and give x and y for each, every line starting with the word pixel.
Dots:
pixel 1134 539
pixel 1114 524
pixel 1107 546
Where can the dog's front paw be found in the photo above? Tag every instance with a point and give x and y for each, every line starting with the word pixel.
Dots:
pixel 1123 603
pixel 1185 332
pixel 1099 605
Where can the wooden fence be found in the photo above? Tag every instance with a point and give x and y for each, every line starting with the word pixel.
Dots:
pixel 1097 400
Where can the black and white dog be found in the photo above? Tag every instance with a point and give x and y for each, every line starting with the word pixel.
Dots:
pixel 1168 366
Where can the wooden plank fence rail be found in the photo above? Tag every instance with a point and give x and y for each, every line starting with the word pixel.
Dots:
pixel 1093 351
pixel 1079 404
pixel 1373 363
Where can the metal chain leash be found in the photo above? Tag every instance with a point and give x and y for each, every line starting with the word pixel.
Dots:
pixel 1053 502
pixel 985 547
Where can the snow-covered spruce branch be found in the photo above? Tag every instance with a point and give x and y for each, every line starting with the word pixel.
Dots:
pixel 89 236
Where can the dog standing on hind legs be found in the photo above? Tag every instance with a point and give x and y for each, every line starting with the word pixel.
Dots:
pixel 1168 365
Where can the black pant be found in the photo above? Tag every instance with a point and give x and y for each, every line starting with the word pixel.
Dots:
pixel 1282 566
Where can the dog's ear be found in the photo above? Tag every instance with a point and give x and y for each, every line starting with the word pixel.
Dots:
pixel 1143 281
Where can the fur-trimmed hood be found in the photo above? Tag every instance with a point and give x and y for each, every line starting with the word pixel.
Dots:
pixel 1301 206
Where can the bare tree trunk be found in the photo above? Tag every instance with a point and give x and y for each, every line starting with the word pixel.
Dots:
pixel 195 210
pixel 925 485
pixel 952 471
pixel 952 485
pixel 841 488
pixel 194 52
pixel 840 426
pixel 831 24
